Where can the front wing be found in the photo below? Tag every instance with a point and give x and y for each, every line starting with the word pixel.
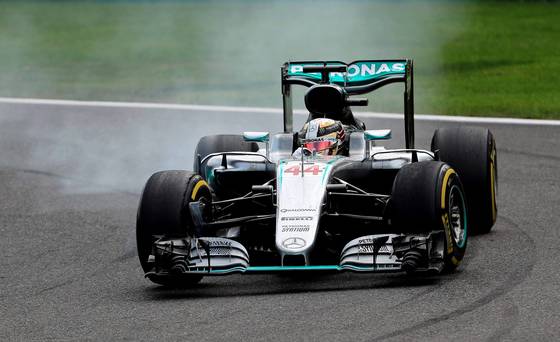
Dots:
pixel 371 253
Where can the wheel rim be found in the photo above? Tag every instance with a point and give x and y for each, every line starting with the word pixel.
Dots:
pixel 457 216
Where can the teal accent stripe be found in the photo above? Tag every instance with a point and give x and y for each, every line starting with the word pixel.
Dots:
pixel 226 271
pixel 293 268
pixel 257 269
pixel 328 166
pixel 465 222
pixel 281 171
pixel 370 269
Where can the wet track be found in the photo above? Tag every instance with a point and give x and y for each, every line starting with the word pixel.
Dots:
pixel 70 179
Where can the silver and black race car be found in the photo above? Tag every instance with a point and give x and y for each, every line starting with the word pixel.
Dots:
pixel 252 205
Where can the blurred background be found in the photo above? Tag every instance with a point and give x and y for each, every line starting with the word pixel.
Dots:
pixel 71 174
pixel 471 57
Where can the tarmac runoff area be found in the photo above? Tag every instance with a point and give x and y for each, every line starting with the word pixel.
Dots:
pixel 71 174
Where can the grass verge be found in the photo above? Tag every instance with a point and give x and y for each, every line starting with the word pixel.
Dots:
pixel 471 58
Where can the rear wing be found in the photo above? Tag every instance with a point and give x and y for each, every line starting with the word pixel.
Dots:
pixel 361 77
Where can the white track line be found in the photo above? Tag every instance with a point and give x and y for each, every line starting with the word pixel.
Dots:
pixel 145 105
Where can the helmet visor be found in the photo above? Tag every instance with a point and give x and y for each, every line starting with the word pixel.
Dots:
pixel 319 145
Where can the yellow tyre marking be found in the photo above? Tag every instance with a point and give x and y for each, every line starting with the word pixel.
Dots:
pixel 445 217
pixel 454 261
pixel 492 180
pixel 448 173
pixel 197 187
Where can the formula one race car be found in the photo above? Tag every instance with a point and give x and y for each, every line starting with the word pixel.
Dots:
pixel 324 198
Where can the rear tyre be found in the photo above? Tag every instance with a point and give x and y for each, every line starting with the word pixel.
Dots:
pixel 222 143
pixel 471 151
pixel 164 211
pixel 429 196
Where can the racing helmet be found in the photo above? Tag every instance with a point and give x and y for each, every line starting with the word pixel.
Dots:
pixel 323 136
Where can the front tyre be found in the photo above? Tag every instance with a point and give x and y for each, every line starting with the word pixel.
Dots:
pixel 429 196
pixel 164 211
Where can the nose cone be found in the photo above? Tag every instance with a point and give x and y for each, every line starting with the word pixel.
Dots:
pixel 300 193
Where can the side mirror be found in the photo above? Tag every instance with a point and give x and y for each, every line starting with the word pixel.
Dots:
pixel 377 134
pixel 262 137
pixel 256 136
pixel 372 135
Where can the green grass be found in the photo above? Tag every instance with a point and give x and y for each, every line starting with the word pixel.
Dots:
pixel 471 58
pixel 506 62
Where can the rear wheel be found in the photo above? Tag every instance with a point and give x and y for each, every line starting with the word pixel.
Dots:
pixel 429 196
pixel 471 151
pixel 164 211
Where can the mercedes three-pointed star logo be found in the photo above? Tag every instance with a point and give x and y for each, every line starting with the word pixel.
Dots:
pixel 294 243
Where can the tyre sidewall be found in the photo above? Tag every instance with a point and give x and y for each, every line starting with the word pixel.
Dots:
pixel 471 151
pixel 493 178
pixel 449 181
pixel 420 205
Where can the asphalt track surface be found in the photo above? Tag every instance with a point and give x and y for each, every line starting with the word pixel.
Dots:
pixel 70 180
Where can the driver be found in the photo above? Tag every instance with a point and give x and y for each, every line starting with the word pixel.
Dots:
pixel 322 136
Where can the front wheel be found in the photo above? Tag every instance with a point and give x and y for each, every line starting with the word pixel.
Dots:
pixel 429 196
pixel 164 211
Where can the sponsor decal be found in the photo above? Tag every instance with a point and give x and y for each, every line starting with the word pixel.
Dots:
pixel 294 243
pixel 357 72
pixel 369 249
pixel 217 247
pixel 297 210
pixel 296 218
pixel 366 241
pixel 296 228
pixel 366 246
pixel 219 243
